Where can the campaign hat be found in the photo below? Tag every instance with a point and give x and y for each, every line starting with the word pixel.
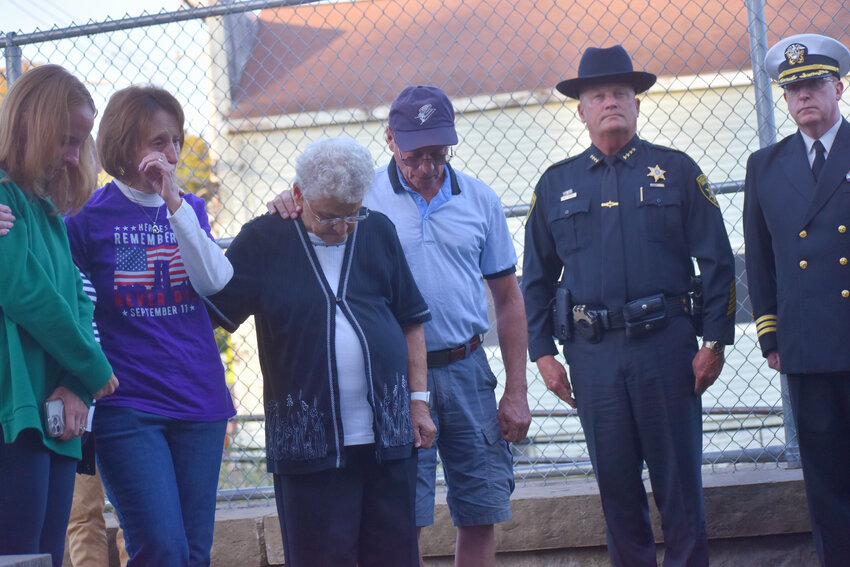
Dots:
pixel 606 65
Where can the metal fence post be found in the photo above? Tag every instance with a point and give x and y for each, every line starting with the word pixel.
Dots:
pixel 13 60
pixel 757 28
pixel 792 446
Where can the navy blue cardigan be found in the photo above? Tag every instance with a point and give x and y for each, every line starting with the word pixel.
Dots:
pixel 278 279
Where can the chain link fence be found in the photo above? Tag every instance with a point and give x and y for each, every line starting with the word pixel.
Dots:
pixel 260 79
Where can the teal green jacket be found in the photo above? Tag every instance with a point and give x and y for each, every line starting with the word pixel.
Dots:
pixel 46 337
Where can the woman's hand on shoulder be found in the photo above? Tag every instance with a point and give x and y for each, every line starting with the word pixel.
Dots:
pixel 284 205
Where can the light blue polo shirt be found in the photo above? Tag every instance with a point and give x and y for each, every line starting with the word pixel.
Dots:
pixel 450 243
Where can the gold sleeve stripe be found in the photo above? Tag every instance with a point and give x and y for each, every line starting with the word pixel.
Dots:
pixel 765 319
pixel 733 302
pixel 766 330
pixel 765 324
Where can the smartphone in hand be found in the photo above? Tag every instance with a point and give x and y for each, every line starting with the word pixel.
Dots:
pixel 54 417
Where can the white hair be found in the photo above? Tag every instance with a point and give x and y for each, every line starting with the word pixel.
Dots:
pixel 335 168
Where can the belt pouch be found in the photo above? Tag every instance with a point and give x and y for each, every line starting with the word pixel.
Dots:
pixel 644 315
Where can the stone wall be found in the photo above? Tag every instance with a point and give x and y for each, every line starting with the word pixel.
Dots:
pixel 754 517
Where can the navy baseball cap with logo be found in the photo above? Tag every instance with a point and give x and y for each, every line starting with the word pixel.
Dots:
pixel 806 56
pixel 422 116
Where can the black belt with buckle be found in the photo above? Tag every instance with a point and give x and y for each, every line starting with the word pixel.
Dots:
pixel 446 356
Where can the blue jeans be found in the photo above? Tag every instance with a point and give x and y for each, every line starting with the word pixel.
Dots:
pixel 36 488
pixel 161 474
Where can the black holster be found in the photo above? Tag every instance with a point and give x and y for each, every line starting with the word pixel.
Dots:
pixel 697 303
pixel 589 323
pixel 562 319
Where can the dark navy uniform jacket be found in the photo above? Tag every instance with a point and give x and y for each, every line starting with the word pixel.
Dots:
pixel 797 251
pixel 669 215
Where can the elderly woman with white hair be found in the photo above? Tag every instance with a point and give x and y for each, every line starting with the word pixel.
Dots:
pixel 341 344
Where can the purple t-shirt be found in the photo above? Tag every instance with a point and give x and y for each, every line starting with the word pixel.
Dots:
pixel 153 325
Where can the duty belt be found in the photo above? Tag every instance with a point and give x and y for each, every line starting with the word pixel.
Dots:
pixel 446 356
pixel 638 317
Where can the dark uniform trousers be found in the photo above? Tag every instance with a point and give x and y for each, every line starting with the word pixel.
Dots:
pixel 635 396
pixel 636 402
pixel 797 234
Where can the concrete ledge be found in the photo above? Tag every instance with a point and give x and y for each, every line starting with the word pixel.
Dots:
pixel 754 517
pixel 38 560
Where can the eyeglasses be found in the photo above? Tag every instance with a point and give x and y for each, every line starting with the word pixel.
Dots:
pixel 338 220
pixel 437 159
pixel 810 85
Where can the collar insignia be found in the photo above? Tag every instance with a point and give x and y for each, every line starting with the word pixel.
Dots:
pixel 656 173
pixel 796 53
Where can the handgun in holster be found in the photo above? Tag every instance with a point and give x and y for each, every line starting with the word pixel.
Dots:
pixel 697 303
pixel 562 317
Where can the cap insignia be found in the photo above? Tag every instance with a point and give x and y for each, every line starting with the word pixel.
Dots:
pixel 796 54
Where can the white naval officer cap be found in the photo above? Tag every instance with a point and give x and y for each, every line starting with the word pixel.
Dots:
pixel 806 56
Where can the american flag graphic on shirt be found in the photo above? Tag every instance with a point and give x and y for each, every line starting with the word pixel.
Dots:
pixel 135 265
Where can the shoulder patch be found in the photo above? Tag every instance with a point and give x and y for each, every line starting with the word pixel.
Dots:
pixel 531 208
pixel 706 190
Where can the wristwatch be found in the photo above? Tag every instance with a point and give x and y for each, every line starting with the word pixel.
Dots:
pixel 421 397
pixel 714 346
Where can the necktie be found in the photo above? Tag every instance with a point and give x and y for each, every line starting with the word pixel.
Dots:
pixel 613 254
pixel 820 158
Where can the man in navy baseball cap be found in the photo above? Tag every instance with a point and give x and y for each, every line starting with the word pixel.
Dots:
pixel 455 237
pixel 422 116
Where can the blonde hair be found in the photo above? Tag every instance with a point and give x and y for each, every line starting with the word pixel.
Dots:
pixel 34 122
pixel 125 125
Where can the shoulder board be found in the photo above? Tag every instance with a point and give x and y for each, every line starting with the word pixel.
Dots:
pixel 664 148
pixel 564 161
pixel 671 150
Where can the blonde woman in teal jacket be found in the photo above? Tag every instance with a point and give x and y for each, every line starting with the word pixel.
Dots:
pixel 47 348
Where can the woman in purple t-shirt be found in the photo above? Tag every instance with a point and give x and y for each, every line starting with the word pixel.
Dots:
pixel 150 255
